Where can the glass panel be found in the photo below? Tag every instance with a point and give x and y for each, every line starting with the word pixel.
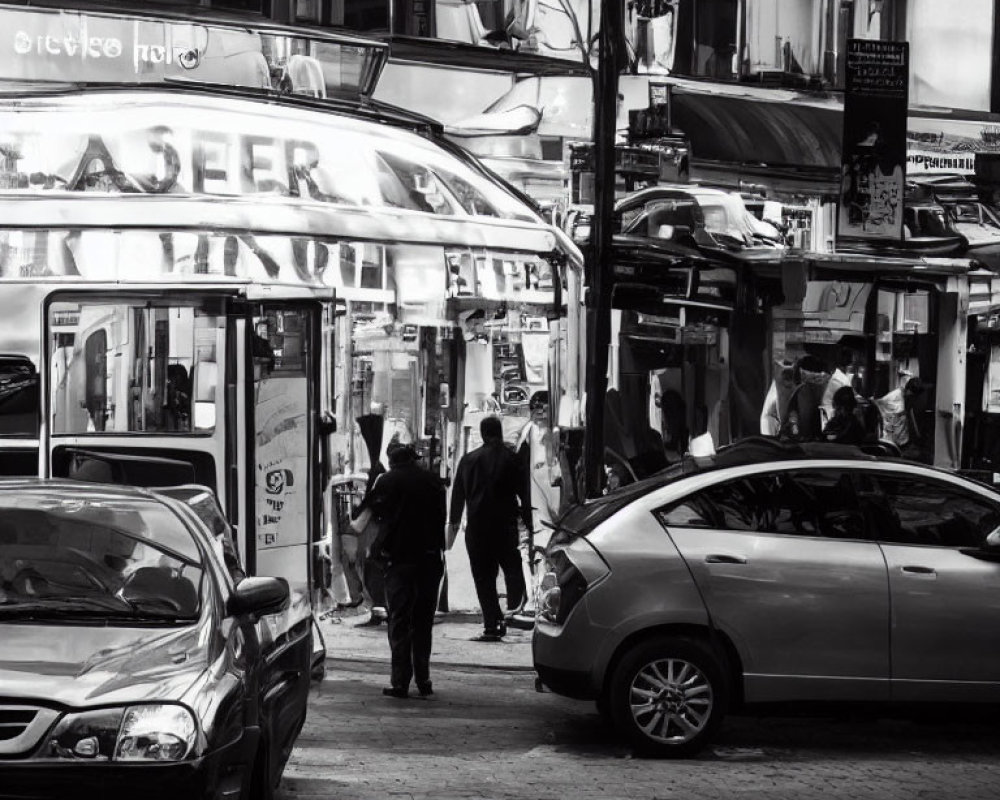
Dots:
pixel 96 557
pixel 68 46
pixel 715 38
pixel 784 36
pixel 815 503
pixel 918 512
pixel 281 410
pixel 204 503
pixel 123 368
pixel 18 396
pixel 689 514
pixel 944 45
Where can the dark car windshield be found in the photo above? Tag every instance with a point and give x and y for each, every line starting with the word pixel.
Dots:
pixel 75 557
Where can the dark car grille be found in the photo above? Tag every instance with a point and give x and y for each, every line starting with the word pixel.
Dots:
pixel 22 728
pixel 14 721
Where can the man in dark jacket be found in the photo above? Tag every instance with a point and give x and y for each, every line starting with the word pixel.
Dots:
pixel 409 504
pixel 489 482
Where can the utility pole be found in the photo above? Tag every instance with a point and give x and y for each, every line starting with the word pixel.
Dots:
pixel 598 264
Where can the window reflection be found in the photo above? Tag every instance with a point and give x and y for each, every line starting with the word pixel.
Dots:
pixel 228 149
pixel 18 396
pixel 124 368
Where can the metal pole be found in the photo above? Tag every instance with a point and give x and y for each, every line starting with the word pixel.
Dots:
pixel 598 264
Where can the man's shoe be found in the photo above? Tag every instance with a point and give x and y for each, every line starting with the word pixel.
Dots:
pixel 396 691
pixel 489 636
pixel 372 622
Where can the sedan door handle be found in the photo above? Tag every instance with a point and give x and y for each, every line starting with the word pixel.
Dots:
pixel 721 558
pixel 911 570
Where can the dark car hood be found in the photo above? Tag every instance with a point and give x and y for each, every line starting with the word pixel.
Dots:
pixel 84 665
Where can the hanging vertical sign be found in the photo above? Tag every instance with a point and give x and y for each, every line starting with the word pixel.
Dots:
pixel 873 160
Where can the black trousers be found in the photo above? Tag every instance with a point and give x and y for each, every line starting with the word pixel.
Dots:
pixel 373 574
pixel 487 557
pixel 412 592
pixel 372 571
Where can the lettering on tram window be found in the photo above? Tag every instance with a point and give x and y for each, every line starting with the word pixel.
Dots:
pixel 19 398
pixel 207 151
pixel 127 368
pixel 281 405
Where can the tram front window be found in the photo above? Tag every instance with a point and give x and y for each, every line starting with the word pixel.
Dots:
pixel 134 367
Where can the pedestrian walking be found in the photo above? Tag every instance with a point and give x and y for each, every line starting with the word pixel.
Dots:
pixel 365 527
pixel 409 505
pixel 490 485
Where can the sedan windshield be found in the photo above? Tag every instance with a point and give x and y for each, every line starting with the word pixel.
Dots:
pixel 86 558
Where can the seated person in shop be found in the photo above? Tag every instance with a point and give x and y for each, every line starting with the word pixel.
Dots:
pixel 844 426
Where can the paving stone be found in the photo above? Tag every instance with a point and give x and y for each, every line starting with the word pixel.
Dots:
pixel 491 736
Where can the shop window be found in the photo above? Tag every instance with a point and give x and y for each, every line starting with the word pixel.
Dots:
pixel 799 41
pixel 372 266
pixel 307 10
pixel 363 15
pixel 652 29
pixel 714 38
pixel 951 53
pixel 783 36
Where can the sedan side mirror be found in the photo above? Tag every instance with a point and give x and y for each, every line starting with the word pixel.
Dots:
pixel 257 597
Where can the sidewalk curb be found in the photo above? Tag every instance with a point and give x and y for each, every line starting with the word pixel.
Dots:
pixel 459 665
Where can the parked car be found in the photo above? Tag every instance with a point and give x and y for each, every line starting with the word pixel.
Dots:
pixel 131 664
pixel 772 573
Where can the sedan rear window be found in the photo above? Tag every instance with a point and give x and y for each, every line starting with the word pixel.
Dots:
pixel 83 558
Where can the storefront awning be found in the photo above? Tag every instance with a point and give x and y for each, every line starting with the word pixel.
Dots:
pixel 745 129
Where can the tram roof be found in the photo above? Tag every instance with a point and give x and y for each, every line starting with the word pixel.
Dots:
pixel 181 160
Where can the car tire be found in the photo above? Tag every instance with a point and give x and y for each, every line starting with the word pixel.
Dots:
pixel 668 695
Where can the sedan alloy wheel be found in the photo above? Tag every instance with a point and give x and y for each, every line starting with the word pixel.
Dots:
pixel 667 695
pixel 671 700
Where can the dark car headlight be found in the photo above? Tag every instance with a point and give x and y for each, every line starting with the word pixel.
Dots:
pixel 161 732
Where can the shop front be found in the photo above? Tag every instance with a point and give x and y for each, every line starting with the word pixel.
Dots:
pixel 894 330
pixel 672 373
pixel 509 356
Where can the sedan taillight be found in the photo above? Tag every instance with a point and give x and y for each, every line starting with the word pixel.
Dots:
pixel 561 589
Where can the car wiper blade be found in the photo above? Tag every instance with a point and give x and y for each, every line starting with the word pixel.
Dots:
pixel 39 607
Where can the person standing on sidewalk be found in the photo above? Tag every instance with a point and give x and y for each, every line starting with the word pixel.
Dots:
pixel 409 504
pixel 372 573
pixel 490 484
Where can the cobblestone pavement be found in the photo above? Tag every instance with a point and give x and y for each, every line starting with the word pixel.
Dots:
pixel 490 735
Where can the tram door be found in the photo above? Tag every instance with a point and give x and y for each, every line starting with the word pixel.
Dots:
pixel 281 470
